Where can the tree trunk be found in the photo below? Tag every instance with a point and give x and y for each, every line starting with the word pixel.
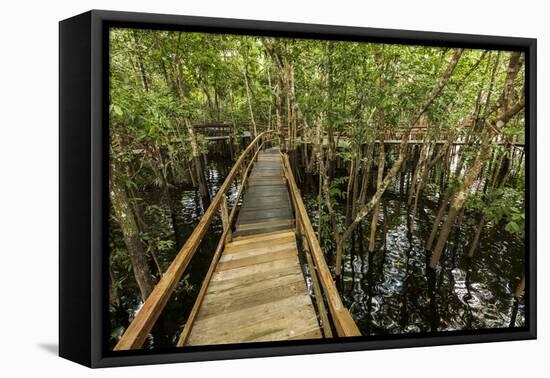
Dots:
pixel 330 118
pixel 279 110
pixel 437 221
pixel 365 178
pixel 475 242
pixel 459 198
pixel 505 113
pixel 368 208
pixel 349 198
pixel 436 90
pixel 141 63
pixel 249 101
pixel 376 212
pixel 130 231
pixel 166 191
pixel 203 187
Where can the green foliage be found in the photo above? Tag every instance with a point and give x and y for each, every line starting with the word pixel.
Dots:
pixel 337 189
pixel 501 205
pixel 161 80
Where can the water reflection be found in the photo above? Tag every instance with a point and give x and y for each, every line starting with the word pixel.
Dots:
pixel 189 208
pixel 393 290
pixel 389 291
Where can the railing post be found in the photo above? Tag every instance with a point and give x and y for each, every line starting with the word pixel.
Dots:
pixel 225 218
pixel 255 156
pixel 317 291
pixel 327 331
pixel 342 320
pixel 298 220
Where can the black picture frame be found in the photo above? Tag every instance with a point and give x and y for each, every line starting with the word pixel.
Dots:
pixel 83 181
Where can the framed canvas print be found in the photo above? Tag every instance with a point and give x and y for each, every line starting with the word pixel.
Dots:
pixel 234 188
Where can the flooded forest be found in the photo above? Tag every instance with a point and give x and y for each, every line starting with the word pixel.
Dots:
pixel 410 161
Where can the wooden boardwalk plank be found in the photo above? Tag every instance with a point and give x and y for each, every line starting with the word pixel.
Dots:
pixel 258 291
pixel 238 241
pixel 266 189
pixel 253 215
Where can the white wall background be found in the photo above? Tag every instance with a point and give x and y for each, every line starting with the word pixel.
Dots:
pixel 29 186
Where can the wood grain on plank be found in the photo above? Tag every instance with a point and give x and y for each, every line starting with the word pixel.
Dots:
pixel 258 291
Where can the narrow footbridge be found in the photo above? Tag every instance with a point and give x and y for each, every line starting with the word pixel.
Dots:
pixel 255 288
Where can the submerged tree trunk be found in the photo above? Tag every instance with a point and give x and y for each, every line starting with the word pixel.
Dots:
pixel 203 187
pixel 165 186
pixel 365 210
pixel 365 179
pixel 376 211
pixel 504 114
pixel 475 241
pixel 440 213
pixel 349 190
pixel 459 198
pixel 125 218
pixel 520 290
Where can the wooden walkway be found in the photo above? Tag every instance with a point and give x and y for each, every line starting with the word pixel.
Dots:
pixel 258 291
pixel 266 205
pixel 255 289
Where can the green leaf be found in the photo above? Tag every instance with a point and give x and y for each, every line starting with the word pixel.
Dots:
pixel 117 110
pixel 513 227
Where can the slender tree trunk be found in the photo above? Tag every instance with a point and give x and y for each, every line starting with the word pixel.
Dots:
pixel 124 216
pixel 330 118
pixel 517 296
pixel 520 289
pixel 459 198
pixel 365 179
pixel 437 222
pixel 166 191
pixel 379 180
pixel 368 207
pixel 505 113
pixel 291 102
pixel 249 100
pixel 475 242
pixel 203 187
pixel 269 115
pixel 279 110
pixel 436 90
pixel 113 291
pixel 355 188
pixel 328 202
pixel 142 227
pixel 349 198
pixel 141 63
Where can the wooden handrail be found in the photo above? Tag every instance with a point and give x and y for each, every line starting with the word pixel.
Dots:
pixel 327 331
pixel 141 326
pixel 341 318
pixel 219 249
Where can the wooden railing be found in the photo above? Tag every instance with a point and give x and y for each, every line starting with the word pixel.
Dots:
pixel 213 130
pixel 343 322
pixel 137 332
pixel 218 130
pixel 227 220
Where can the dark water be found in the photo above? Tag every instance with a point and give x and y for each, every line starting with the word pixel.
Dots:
pixel 392 290
pixel 389 291
pixel 189 208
